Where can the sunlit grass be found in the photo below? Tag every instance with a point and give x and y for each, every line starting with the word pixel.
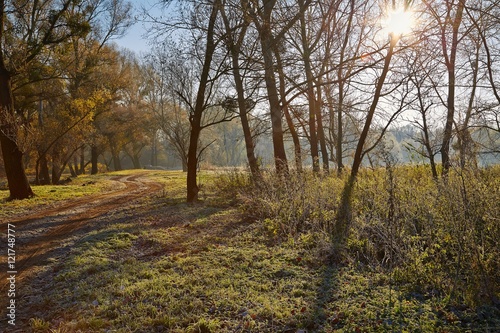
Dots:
pixel 166 266
pixel 153 279
pixel 49 194
pixel 90 185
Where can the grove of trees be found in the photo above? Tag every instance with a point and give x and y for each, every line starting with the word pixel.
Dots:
pixel 325 81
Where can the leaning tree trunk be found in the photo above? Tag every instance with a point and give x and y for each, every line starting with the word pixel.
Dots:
pixel 19 186
pixel 235 48
pixel 344 214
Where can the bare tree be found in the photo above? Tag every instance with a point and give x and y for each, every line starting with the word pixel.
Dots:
pixel 235 36
pixel 449 27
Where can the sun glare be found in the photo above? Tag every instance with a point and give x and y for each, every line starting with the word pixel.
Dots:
pixel 398 22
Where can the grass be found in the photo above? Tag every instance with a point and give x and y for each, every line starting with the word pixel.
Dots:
pixel 50 194
pixel 165 266
pixel 84 185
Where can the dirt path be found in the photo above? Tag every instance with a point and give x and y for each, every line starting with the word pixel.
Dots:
pixel 40 234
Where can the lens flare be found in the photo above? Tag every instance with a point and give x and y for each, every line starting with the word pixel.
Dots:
pixel 398 22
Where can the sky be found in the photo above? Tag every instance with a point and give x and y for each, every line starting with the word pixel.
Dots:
pixel 135 39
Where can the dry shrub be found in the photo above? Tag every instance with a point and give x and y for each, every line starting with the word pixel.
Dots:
pixel 435 235
pixel 294 204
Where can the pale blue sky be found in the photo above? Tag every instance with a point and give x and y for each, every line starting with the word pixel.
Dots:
pixel 135 40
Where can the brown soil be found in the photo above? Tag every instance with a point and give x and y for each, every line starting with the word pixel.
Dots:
pixel 44 231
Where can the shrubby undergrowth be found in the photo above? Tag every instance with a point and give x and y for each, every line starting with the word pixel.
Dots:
pixel 433 236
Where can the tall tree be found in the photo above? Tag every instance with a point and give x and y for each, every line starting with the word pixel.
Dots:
pixel 200 105
pixel 234 41
pixel 344 214
pixel 38 25
pixel 450 29
pixel 271 28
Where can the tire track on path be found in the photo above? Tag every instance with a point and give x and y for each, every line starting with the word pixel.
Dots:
pixel 39 234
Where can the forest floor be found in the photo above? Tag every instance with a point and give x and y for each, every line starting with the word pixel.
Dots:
pixel 135 258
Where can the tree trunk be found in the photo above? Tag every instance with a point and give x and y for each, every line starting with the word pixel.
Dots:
pixel 192 161
pixel 72 170
pixel 154 154
pixel 19 186
pixel 135 161
pixel 321 133
pixel 184 163
pixel 117 163
pixel 234 48
pixel 267 42
pixel 94 155
pixel 340 133
pixel 311 98
pixel 197 113
pixel 428 146
pixel 450 65
pixel 56 166
pixel 81 170
pixel 344 215
pixel 464 137
pixel 43 176
pixel 288 116
pixel 341 93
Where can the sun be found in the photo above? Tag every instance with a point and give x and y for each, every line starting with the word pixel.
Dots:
pixel 398 22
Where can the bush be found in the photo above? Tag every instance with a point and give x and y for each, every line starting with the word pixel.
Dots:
pixel 301 202
pixel 434 235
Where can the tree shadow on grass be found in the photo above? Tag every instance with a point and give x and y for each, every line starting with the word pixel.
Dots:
pixel 319 316
pixel 126 229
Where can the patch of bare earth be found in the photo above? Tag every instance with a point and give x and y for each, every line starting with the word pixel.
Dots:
pixel 46 235
pixel 45 238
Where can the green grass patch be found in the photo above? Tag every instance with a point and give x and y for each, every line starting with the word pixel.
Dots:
pixel 91 185
pixel 166 266
pixel 49 194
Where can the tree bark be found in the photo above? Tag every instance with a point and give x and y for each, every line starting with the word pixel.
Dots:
pixel 234 48
pixel 19 186
pixel 117 163
pixel 450 61
pixel 344 215
pixel 321 133
pixel 288 116
pixel 56 166
pixel 196 115
pixel 311 98
pixel 267 41
pixel 428 147
pixel 94 155
pixel 44 176
pixel 341 93
pixel 81 170
pixel 136 161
